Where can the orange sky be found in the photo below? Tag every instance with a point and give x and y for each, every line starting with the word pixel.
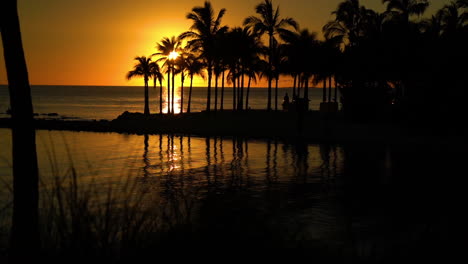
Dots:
pixel 93 42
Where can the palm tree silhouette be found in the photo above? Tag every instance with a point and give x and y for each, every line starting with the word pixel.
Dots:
pixel 406 8
pixel 165 47
pixel 301 50
pixel 142 69
pixel 181 63
pixel 202 37
pixel 194 67
pixel 269 23
pixel 157 75
pixel 351 20
pixel 453 19
pixel 24 236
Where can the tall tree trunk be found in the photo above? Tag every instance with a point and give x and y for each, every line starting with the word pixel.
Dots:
pixel 182 79
pixel 222 92
pixel 154 85
pixel 276 93
pixel 234 93
pixel 25 240
pixel 238 88
pixel 160 97
pixel 190 94
pixel 299 84
pixel 169 90
pixel 208 96
pixel 294 85
pixel 324 99
pixel 329 88
pixel 146 111
pixel 173 90
pixel 248 94
pixel 270 70
pixel 241 92
pixel 336 91
pixel 216 91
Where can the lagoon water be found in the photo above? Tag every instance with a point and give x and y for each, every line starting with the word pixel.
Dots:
pixel 108 102
pixel 377 200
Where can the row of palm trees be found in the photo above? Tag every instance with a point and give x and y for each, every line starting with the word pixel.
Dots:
pixel 364 52
pixel 234 56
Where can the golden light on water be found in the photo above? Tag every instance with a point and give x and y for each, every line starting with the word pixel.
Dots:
pixel 177 99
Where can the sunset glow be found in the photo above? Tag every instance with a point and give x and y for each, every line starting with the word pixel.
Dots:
pixel 102 45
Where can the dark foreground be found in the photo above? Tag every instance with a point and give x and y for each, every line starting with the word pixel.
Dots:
pixel 391 198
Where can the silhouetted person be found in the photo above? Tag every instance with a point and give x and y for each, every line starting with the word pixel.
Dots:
pixel 286 102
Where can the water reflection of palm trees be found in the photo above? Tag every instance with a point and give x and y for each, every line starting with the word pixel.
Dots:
pixel 206 161
pixel 146 161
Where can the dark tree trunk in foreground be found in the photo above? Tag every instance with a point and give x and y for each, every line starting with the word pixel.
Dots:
pixel 24 234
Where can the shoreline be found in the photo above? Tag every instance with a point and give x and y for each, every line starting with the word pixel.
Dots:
pixel 311 126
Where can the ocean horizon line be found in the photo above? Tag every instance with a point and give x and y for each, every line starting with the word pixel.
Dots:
pixel 140 86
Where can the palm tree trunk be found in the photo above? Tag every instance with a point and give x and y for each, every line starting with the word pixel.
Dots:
pixel 146 111
pixel 299 84
pixel 169 90
pixel 248 93
pixel 241 100
pixel 173 89
pixel 222 92
pixel 324 99
pixel 270 69
pixel 238 88
pixel 234 93
pixel 190 94
pixel 306 88
pixel 160 97
pixel 294 85
pixel 216 92
pixel 336 91
pixel 182 79
pixel 329 88
pixel 24 231
pixel 276 93
pixel 208 96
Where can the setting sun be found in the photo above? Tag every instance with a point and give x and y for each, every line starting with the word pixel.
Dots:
pixel 173 55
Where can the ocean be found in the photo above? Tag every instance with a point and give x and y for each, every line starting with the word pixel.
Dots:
pixel 108 102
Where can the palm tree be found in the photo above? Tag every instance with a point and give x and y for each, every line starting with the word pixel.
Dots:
pixel 156 74
pixel 301 51
pixel 269 23
pixel 165 47
pixel 406 8
pixel 350 24
pixel 182 63
pixel 142 69
pixel 202 37
pixel 25 228
pixel 453 19
pixel 194 67
pixel 254 72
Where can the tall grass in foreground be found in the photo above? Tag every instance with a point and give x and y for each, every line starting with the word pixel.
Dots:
pixel 82 217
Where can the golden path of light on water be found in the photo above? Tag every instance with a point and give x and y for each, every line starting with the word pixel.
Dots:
pixel 177 101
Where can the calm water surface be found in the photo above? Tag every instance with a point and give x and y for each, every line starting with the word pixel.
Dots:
pixel 377 199
pixel 108 102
